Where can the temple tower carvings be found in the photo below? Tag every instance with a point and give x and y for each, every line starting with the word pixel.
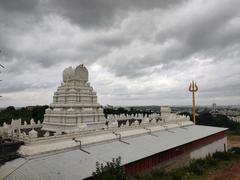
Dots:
pixel 74 104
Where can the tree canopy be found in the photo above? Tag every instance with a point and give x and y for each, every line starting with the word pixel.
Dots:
pixel 110 171
pixel 25 113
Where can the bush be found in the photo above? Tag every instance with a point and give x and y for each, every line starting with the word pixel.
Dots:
pixel 235 150
pixel 196 167
pixel 110 171
pixel 158 173
pixel 178 174
pixel 210 161
pixel 226 156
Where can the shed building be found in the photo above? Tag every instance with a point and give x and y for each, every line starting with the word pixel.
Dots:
pixel 138 153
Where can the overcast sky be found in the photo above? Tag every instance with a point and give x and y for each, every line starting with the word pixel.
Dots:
pixel 138 52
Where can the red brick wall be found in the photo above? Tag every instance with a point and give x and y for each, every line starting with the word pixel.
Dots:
pixel 151 161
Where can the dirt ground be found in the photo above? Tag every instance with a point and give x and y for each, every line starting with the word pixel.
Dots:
pixel 233 140
pixel 231 173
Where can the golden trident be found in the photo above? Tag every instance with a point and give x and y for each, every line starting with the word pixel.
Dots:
pixel 193 88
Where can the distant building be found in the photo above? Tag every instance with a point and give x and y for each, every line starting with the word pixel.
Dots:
pixel 214 110
pixel 109 107
pixel 234 118
pixel 30 108
pixel 214 107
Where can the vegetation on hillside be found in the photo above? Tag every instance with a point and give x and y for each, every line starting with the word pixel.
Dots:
pixel 25 113
pixel 195 170
pixel 207 119
pixel 219 120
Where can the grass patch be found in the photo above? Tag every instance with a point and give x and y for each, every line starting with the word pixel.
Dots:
pixel 233 136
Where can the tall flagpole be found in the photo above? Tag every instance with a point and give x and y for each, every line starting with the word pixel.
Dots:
pixel 193 88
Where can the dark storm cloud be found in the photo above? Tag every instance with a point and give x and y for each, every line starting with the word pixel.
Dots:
pixel 21 13
pixel 210 31
pixel 23 6
pixel 17 17
pixel 142 50
pixel 205 33
pixel 93 13
pixel 21 86
pixel 104 13
pixel 113 41
pixel 9 88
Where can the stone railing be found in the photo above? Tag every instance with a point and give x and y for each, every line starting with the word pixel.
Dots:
pixel 7 130
pixel 171 117
pixel 127 123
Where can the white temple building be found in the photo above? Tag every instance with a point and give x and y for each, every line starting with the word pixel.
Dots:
pixel 76 135
pixel 74 104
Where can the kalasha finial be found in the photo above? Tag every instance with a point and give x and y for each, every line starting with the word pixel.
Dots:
pixel 193 88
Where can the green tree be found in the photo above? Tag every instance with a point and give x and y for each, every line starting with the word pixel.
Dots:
pixel 111 171
pixel 219 120
pixel 8 114
pixel 36 112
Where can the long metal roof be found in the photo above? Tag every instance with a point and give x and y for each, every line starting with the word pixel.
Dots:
pixel 76 164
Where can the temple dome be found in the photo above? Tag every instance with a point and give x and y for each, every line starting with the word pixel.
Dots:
pixel 79 73
pixel 68 74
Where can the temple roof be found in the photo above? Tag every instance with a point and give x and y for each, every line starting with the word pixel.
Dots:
pixel 77 164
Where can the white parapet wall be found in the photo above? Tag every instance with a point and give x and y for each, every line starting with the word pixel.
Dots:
pixel 36 146
pixel 219 145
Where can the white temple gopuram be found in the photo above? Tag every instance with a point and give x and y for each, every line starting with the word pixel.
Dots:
pixel 74 104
